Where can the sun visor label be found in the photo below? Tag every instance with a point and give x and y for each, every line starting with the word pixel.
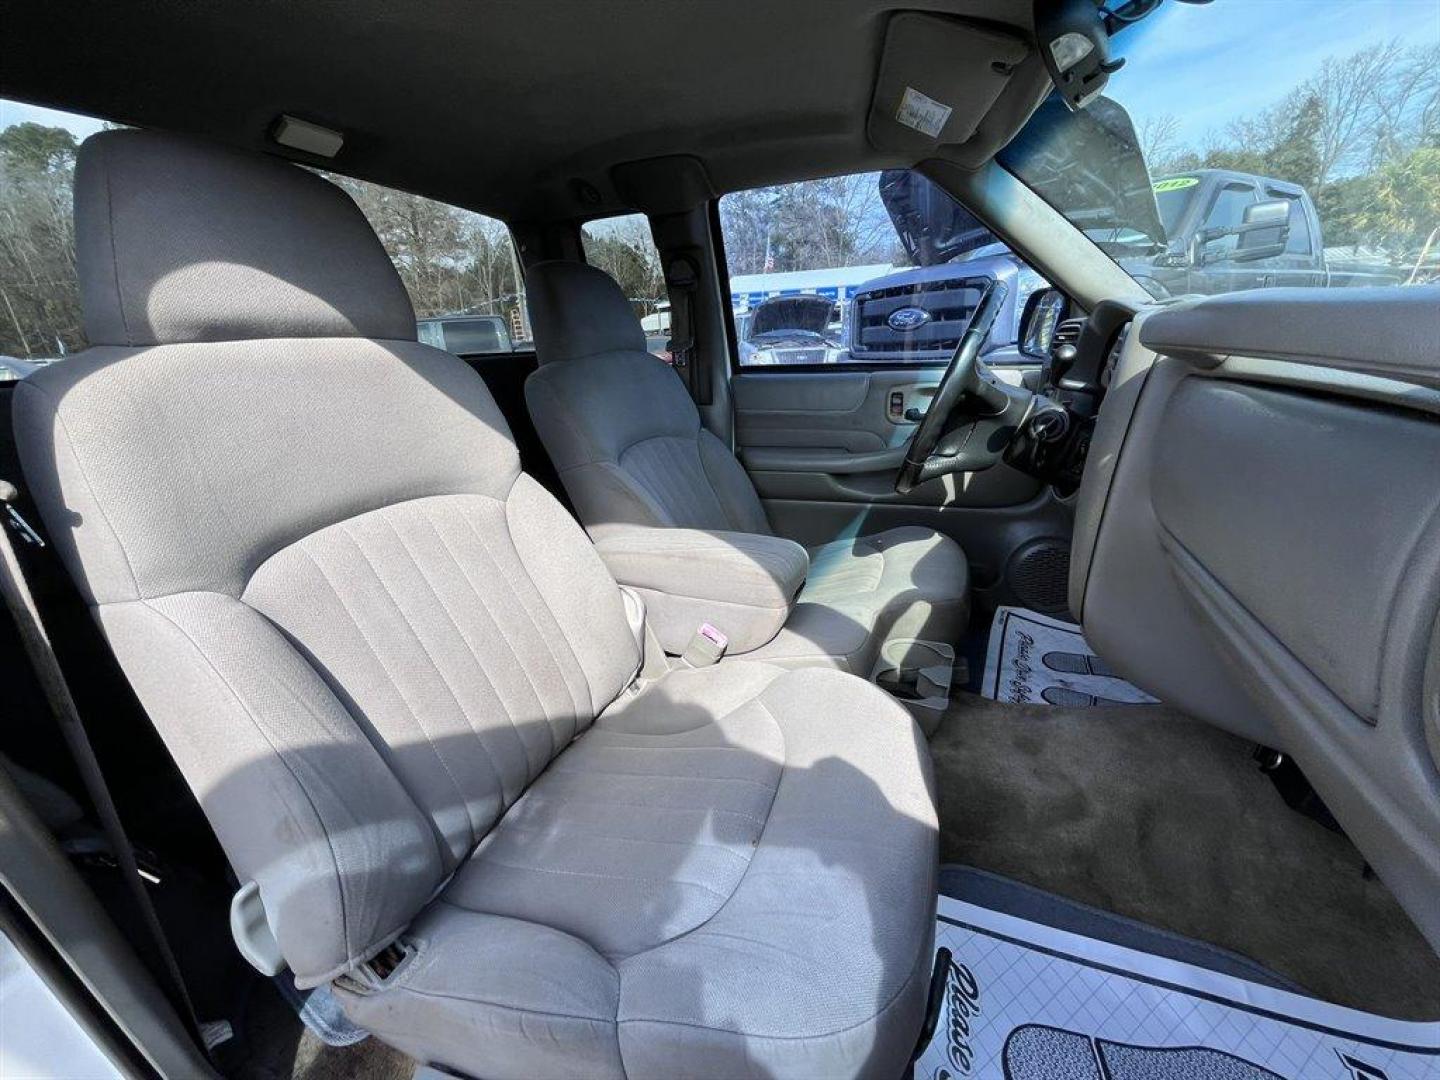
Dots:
pixel 924 114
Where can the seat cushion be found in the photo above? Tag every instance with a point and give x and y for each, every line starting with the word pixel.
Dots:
pixel 907 582
pixel 730 873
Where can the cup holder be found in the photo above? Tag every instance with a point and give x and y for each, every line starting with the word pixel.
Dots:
pixel 918 673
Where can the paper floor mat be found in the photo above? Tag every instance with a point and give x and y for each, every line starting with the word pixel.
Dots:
pixel 1035 659
pixel 1027 1002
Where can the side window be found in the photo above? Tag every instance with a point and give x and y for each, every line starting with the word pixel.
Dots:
pixel 1298 242
pixel 625 249
pixel 458 266
pixel 869 268
pixel 1227 212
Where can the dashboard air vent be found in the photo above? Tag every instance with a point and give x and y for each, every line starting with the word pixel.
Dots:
pixel 1067 332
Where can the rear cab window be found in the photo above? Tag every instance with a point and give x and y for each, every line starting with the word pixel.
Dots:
pixel 625 249
pixel 459 267
pixel 870 268
pixel 39 294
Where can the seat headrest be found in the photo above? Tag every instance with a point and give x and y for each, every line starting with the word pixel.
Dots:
pixel 577 310
pixel 179 240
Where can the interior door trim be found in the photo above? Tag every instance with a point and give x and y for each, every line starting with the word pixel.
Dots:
pixel 818 460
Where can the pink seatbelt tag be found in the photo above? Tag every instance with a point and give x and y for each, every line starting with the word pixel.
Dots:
pixel 706 646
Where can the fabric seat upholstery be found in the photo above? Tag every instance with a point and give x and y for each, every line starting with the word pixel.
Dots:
pixel 714 948
pixel 629 446
pixel 378 652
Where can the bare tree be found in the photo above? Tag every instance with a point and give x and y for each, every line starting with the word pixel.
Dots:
pixel 1159 141
pixel 624 248
pixel 747 220
pixel 491 264
pixel 1406 105
pixel 39 296
pixel 1349 89
pixel 451 260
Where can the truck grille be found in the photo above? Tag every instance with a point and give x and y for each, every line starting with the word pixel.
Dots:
pixel 800 356
pixel 949 303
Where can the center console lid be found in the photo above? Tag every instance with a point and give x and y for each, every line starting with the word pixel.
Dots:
pixel 743 583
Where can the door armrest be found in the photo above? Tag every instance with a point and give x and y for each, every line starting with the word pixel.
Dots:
pixel 835 462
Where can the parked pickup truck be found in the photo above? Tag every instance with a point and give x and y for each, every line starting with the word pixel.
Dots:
pixel 1232 230
pixel 1223 231
pixel 919 314
pixel 465 335
pixel 12 368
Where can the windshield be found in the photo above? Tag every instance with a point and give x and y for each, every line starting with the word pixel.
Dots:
pixel 1172 196
pixel 1325 112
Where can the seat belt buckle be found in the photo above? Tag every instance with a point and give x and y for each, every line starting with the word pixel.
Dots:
pixel 706 646
pixel 679 357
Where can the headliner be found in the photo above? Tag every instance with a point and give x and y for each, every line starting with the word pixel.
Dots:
pixel 493 106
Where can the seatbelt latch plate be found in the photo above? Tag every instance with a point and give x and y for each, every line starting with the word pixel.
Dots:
pixel 706 647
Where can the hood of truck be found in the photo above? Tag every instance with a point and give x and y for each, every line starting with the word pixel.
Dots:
pixel 930 225
pixel 801 314
pixel 1087 164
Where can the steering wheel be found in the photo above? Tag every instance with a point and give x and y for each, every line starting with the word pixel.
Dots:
pixel 973 416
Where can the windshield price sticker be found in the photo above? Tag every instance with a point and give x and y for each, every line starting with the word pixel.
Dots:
pixel 924 114
pixel 1175 183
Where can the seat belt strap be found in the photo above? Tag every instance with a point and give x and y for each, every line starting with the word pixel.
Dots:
pixel 681 281
pixel 652 663
pixel 41 653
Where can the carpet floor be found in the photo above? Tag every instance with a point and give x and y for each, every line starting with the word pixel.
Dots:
pixel 1140 810
pixel 280 1047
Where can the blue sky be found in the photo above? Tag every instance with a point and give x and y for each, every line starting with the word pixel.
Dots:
pixel 14 112
pixel 1211 64
pixel 1205 64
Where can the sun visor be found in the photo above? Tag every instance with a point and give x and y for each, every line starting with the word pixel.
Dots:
pixel 938 79
pixel 663 185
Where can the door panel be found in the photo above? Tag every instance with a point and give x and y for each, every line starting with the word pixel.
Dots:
pixel 845 419
pixel 841 410
pixel 1259 539
pixel 823 448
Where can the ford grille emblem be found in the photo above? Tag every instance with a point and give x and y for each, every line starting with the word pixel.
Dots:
pixel 908 318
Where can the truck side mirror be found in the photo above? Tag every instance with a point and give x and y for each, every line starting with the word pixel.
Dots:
pixel 1043 312
pixel 1264 230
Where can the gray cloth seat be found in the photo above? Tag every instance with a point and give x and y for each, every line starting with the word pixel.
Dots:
pixel 691 874
pixel 627 441
pixel 402 683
